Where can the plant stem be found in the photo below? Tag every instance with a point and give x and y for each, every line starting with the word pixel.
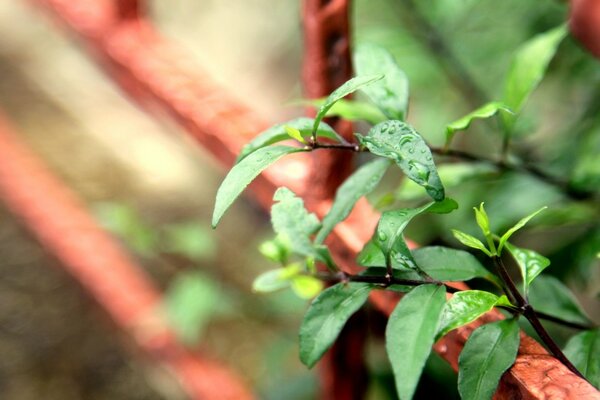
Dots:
pixel 382 280
pixel 560 321
pixel 530 314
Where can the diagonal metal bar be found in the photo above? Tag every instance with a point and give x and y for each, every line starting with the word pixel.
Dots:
pixel 155 72
pixel 67 231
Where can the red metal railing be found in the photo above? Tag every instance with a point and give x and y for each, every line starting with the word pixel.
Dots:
pixel 157 74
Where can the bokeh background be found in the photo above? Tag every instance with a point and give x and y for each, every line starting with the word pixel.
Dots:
pixel 154 188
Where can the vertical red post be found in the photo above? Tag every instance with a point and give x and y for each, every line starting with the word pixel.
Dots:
pixel 327 65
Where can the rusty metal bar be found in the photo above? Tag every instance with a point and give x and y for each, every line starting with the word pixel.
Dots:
pixel 150 68
pixel 61 223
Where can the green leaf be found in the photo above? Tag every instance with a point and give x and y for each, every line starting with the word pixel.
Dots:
pixel 482 220
pixel 463 308
pixel 401 258
pixel 470 241
pixel 277 250
pixel 306 287
pixel 326 316
pixel 349 87
pixel 410 334
pixel 291 221
pixel 530 263
pixel 191 300
pixel 547 294
pixel 277 133
pixel 399 142
pixel 275 279
pixel 243 173
pixel 486 111
pixel 451 176
pixel 529 66
pixel 451 265
pixel 361 182
pixel 351 110
pixel 583 350
pixel 489 352
pixel 445 206
pixel 516 227
pixel 391 93
pixel 294 133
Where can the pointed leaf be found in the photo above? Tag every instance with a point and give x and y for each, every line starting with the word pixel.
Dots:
pixel 486 111
pixel 515 228
pixel 529 66
pixel 470 241
pixel 482 220
pixel 277 133
pixel 360 183
pixel 530 263
pixel 351 110
pixel 326 316
pixel 350 86
pixel 391 93
pixel 583 350
pixel 489 352
pixel 291 220
pixel 463 308
pixel 399 142
pixel 451 265
pixel 243 173
pixel 275 279
pixel 410 334
pixel 294 133
pixel 306 287
pixel 547 294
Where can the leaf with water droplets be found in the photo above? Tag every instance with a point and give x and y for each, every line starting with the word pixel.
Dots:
pixel 399 142
pixel 350 86
pixel 530 263
pixel 464 307
pixel 391 93
pixel 360 183
pixel 243 173
pixel 278 133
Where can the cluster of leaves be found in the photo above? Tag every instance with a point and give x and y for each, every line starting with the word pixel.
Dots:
pixel 423 315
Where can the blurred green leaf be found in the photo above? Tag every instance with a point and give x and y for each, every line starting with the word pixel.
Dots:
pixel 528 68
pixel 486 111
pixel 306 287
pixel 399 142
pixel 190 240
pixel 277 250
pixel 276 279
pixel 530 263
pixel 191 301
pixel 243 173
pixel 489 352
pixel 410 334
pixel 294 133
pixel 547 294
pixel 349 87
pixel 464 307
pixel 326 316
pixel 446 264
pixel 583 350
pixel 351 110
pixel 360 183
pixel 277 133
pixel 391 93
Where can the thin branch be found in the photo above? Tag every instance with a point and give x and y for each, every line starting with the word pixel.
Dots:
pixel 563 322
pixel 382 280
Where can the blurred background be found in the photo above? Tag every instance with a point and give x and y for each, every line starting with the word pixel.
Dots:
pixel 154 188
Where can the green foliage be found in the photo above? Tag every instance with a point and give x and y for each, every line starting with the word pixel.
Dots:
pixel 326 317
pixel 391 93
pixel 399 142
pixel 465 307
pixel 470 241
pixel 490 350
pixel 243 173
pixel 446 264
pixel 583 351
pixel 362 182
pixel 486 111
pixel 278 133
pixel 528 67
pixel 347 88
pixel 516 227
pixel 351 110
pixel 410 334
pixel 547 294
pixel 530 263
